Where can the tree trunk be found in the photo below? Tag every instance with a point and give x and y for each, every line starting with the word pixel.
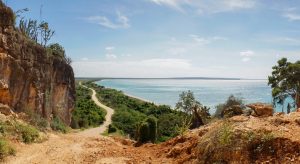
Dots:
pixel 297 99
pixel 199 122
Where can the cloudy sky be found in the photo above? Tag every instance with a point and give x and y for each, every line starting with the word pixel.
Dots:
pixel 172 38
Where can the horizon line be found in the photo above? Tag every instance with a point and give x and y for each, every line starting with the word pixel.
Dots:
pixel 200 78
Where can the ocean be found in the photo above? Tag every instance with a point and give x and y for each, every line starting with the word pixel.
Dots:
pixel 209 92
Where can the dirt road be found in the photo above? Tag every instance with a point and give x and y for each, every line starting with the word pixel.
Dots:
pixel 109 112
pixel 87 146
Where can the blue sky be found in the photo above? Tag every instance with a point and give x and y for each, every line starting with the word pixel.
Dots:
pixel 172 38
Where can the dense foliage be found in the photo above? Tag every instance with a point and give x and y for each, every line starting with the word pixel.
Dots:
pixel 131 113
pixel 86 113
pixel 285 81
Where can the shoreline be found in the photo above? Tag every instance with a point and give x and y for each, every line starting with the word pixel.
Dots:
pixel 138 98
pixel 129 95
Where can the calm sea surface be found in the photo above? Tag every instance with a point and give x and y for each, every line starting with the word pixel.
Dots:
pixel 208 92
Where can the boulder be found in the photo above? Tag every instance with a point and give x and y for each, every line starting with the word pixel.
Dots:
pixel 6 110
pixel 233 111
pixel 261 109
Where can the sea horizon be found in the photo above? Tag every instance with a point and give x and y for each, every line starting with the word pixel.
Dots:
pixel 210 92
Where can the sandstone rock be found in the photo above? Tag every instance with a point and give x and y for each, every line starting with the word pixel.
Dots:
pixel 297 121
pixel 298 110
pixel 4 109
pixel 278 114
pixel 280 121
pixel 31 78
pixel 261 109
pixel 239 118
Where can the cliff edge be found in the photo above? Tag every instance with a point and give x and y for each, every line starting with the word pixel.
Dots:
pixel 30 77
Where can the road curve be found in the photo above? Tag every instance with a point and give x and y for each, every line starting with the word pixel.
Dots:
pixel 109 112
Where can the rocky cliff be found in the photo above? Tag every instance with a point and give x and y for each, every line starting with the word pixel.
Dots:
pixel 30 77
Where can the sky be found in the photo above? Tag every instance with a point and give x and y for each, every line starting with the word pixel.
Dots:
pixel 172 38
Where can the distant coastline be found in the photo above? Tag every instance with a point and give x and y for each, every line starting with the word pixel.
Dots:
pixel 166 78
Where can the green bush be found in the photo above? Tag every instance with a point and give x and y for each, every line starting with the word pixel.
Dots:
pixel 127 121
pixel 112 129
pixel 143 132
pixel 37 120
pixel 152 125
pixel 5 149
pixel 28 133
pixel 58 125
pixel 147 130
pixel 86 113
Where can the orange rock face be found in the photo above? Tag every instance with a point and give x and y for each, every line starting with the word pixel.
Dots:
pixel 31 78
pixel 261 109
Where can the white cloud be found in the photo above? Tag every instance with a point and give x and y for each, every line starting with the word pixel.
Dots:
pixel 284 41
pixel 214 6
pixel 109 48
pixel 245 59
pixel 84 59
pixel 126 55
pixel 166 67
pixel 247 53
pixel 175 4
pixel 145 68
pixel 177 50
pixel 292 16
pixel 110 56
pixel 204 41
pixel 121 21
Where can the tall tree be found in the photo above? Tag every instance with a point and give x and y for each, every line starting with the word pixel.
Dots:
pixel 285 81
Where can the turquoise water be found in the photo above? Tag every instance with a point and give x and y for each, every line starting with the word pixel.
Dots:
pixel 208 92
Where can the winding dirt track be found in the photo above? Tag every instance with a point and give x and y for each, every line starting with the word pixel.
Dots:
pixel 87 146
pixel 109 112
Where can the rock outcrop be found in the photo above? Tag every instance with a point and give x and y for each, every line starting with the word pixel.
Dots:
pixel 31 78
pixel 261 109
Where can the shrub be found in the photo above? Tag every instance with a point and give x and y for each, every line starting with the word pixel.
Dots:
pixel 7 17
pixel 57 50
pixel 167 124
pixel 112 129
pixel 225 134
pixel 147 130
pixel 5 149
pixel 37 120
pixel 127 121
pixel 152 125
pixel 28 133
pixel 230 105
pixel 143 132
pixel 58 125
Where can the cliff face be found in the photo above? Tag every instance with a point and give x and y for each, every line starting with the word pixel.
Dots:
pixel 31 78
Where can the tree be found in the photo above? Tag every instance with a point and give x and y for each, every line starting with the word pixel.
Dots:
pixel 187 102
pixel 195 112
pixel 46 33
pixel 285 81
